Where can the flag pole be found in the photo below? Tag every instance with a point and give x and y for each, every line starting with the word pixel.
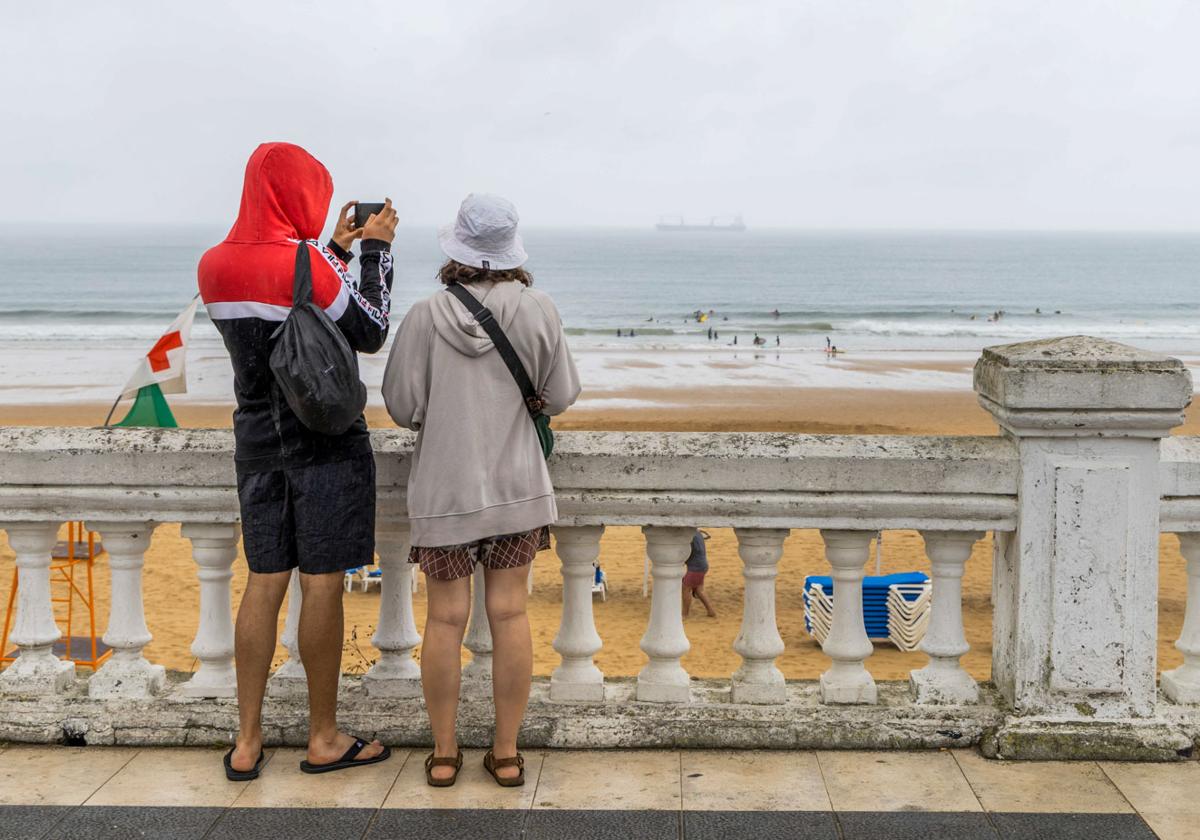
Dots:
pixel 116 402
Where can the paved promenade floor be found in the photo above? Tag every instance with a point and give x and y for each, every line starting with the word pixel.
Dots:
pixel 177 793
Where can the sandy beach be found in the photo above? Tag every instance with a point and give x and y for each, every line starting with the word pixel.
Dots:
pixel 171 591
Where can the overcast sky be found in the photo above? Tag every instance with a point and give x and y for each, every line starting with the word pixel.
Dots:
pixel 823 114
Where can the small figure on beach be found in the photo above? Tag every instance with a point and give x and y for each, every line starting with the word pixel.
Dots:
pixel 693 579
pixel 776 341
pixel 828 344
pixel 759 341
pixel 619 332
pixel 735 340
pixel 775 313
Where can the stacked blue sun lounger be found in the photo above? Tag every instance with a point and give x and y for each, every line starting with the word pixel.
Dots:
pixel 818 601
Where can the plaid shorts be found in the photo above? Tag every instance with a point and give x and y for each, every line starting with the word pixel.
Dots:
pixel 509 551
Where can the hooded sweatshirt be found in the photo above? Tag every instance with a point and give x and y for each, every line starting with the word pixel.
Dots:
pixel 246 284
pixel 477 470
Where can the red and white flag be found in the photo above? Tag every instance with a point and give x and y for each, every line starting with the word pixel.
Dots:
pixel 164 364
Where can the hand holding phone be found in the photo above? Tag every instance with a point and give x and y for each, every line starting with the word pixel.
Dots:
pixel 380 224
pixel 364 210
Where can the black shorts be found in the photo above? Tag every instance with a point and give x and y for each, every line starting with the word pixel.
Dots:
pixel 319 518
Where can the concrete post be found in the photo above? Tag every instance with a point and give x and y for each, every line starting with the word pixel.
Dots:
pixel 663 679
pixel 127 675
pixel 577 642
pixel 759 643
pixel 943 680
pixel 290 679
pixel 848 680
pixel 477 673
pixel 394 674
pixel 214 548
pixel 36 670
pixel 1182 684
pixel 1076 588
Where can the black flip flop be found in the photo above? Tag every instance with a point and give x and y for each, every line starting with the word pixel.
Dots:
pixel 244 775
pixel 348 759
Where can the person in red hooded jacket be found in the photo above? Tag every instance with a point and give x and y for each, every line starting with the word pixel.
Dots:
pixel 307 499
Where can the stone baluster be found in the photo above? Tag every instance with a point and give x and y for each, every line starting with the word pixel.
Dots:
pixel 290 679
pixel 847 680
pixel 214 548
pixel 127 675
pixel 36 670
pixel 394 674
pixel 477 673
pixel 1182 684
pixel 577 678
pixel 943 680
pixel 759 642
pixel 663 679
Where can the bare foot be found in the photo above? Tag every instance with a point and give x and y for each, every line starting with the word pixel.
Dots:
pixel 245 753
pixel 322 751
pixel 712 613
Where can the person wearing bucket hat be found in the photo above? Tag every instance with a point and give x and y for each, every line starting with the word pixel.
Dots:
pixel 479 491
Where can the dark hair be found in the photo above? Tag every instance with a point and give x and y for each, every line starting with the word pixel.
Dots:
pixel 453 271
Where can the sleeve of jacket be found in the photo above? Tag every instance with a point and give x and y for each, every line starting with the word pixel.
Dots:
pixel 406 377
pixel 360 310
pixel 560 387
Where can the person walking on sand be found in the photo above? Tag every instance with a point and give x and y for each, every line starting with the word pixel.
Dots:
pixel 307 499
pixel 693 579
pixel 478 489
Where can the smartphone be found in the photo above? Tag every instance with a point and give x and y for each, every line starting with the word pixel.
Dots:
pixel 364 210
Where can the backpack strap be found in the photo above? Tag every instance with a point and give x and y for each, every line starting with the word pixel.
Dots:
pixel 484 317
pixel 302 286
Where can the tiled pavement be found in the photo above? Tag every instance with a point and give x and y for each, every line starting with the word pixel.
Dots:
pixel 97 792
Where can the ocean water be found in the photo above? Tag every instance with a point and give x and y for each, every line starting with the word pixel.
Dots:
pixel 76 312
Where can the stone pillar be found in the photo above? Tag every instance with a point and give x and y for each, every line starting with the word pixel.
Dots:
pixel 759 642
pixel 847 680
pixel 1075 624
pixel 394 674
pixel 577 677
pixel 290 679
pixel 1182 684
pixel 943 680
pixel 127 674
pixel 37 670
pixel 477 673
pixel 663 679
pixel 214 548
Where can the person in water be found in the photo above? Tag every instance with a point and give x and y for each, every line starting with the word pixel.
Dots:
pixel 307 499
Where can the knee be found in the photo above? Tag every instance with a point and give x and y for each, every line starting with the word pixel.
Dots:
pixel 501 610
pixel 450 616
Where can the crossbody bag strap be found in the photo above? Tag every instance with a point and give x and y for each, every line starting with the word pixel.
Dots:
pixel 484 317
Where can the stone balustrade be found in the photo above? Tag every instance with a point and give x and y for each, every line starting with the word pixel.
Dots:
pixel 1072 489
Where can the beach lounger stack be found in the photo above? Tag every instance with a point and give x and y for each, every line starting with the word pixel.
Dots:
pixel 895 607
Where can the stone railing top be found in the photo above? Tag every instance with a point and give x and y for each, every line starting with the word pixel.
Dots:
pixel 1082 385
pixel 750 479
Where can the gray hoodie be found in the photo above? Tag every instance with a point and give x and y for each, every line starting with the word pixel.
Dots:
pixel 477 469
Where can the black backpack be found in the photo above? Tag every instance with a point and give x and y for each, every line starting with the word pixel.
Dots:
pixel 314 364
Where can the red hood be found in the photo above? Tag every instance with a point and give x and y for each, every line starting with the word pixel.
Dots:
pixel 286 196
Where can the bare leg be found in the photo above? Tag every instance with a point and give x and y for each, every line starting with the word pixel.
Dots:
pixel 254 645
pixel 512 657
pixel 704 600
pixel 320 637
pixel 687 601
pixel 441 662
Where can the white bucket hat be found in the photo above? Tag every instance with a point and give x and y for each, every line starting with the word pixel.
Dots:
pixel 485 234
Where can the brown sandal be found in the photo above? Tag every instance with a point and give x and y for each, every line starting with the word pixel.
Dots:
pixel 442 761
pixel 491 764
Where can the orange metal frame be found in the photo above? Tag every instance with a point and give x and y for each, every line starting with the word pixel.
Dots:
pixel 63 571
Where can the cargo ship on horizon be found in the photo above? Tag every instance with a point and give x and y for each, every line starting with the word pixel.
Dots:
pixel 680 224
